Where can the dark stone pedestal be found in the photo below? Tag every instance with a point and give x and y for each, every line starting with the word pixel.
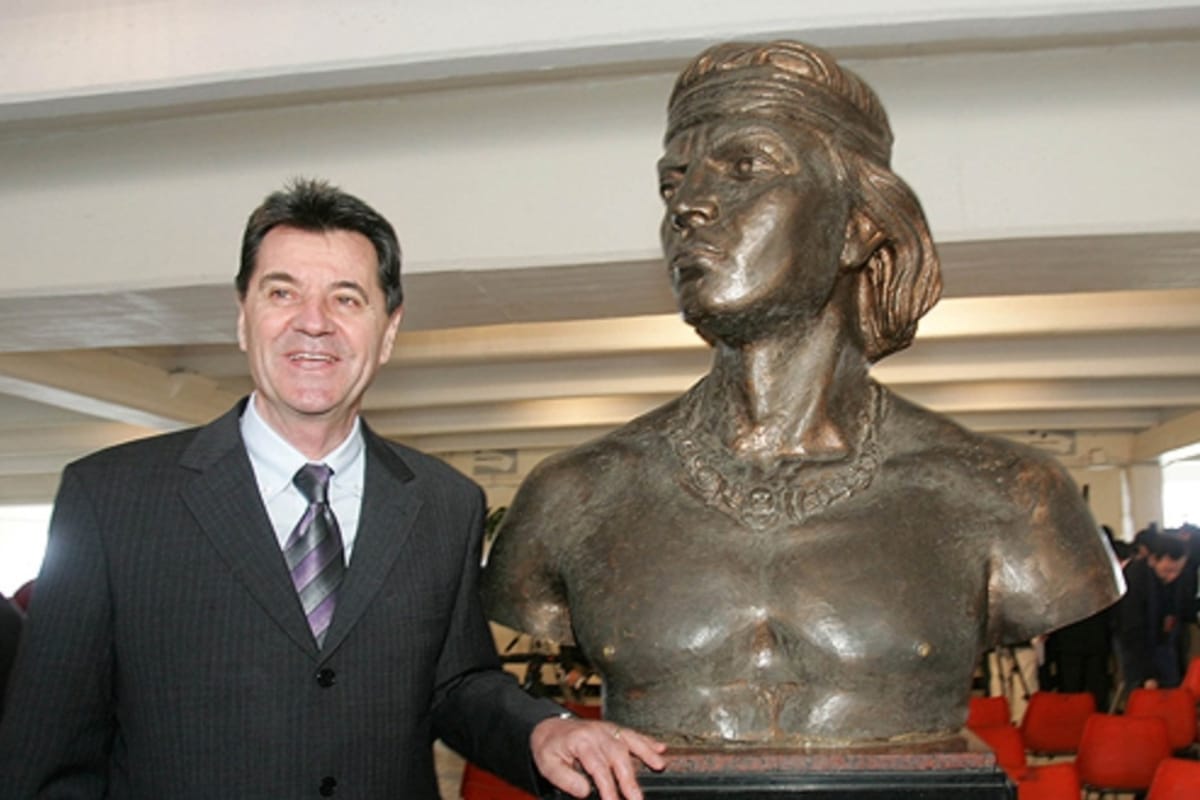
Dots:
pixel 961 768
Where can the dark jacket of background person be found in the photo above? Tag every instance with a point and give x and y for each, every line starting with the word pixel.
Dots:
pixel 1148 648
pixel 10 633
pixel 1078 655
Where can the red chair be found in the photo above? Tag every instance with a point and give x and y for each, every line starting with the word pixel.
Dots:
pixel 24 595
pixel 1119 753
pixel 1006 744
pixel 1050 782
pixel 988 711
pixel 1176 707
pixel 1042 782
pixel 1053 721
pixel 1176 779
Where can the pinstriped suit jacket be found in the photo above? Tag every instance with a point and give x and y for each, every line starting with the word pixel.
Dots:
pixel 166 656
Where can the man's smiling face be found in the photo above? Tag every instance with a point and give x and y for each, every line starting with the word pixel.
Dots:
pixel 314 325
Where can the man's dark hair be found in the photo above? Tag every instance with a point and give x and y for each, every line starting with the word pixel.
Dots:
pixel 1169 544
pixel 1144 537
pixel 316 205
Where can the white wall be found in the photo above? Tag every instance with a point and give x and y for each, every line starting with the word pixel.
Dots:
pixel 561 173
pixel 115 49
pixel 1145 494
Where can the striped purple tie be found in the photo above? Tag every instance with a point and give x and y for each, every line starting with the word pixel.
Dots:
pixel 314 550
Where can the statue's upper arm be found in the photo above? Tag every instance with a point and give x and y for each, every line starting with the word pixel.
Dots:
pixel 523 584
pixel 1050 563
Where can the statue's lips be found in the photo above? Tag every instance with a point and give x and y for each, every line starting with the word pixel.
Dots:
pixel 693 263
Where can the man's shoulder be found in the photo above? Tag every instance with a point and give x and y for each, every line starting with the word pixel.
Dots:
pixel 425 466
pixel 198 445
pixel 149 453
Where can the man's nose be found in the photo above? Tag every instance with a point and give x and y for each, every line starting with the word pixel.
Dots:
pixel 312 317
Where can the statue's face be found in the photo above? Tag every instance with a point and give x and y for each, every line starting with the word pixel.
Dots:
pixel 755 221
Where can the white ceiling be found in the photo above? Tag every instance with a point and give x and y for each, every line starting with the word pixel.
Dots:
pixel 538 313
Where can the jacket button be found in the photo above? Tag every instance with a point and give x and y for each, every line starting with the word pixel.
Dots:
pixel 326 678
pixel 328 786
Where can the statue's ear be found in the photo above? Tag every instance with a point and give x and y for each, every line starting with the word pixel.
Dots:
pixel 863 238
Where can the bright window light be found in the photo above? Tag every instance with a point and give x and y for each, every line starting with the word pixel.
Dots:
pixel 22 544
pixel 1181 493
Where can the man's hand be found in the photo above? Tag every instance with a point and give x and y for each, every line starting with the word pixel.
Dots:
pixel 565 748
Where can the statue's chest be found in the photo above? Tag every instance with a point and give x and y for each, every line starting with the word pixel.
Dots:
pixel 692 592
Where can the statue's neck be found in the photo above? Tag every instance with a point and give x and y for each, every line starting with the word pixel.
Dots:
pixel 789 396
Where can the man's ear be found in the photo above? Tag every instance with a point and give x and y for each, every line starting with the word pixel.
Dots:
pixel 241 325
pixel 863 238
pixel 389 335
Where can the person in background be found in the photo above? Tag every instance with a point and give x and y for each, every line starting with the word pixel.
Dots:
pixel 1123 551
pixel 10 634
pixel 1077 657
pixel 1142 539
pixel 281 604
pixel 1151 615
pixel 1189 645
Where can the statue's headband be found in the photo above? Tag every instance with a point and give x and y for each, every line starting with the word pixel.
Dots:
pixel 805 98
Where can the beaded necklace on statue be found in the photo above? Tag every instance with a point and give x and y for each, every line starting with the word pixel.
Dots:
pixel 792 491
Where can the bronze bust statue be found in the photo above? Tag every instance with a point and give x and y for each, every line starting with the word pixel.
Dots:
pixel 789 554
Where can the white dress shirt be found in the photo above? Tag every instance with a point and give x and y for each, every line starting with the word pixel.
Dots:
pixel 276 462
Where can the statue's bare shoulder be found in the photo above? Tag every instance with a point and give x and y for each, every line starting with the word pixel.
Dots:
pixel 572 482
pixel 1049 565
pixel 561 503
pixel 1026 480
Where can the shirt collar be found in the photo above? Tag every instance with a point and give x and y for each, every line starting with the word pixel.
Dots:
pixel 276 461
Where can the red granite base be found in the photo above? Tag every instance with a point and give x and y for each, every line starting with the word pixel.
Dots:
pixel 959 752
pixel 955 768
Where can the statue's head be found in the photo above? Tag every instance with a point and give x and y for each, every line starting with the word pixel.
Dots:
pixel 778 163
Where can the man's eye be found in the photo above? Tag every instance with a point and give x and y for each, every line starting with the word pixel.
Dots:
pixel 348 301
pixel 279 293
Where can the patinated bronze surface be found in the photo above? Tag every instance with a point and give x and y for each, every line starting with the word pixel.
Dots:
pixel 790 554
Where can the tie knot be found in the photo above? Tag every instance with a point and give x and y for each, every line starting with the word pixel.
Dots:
pixel 313 482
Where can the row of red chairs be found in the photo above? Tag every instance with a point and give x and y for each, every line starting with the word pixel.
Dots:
pixel 1053 721
pixel 1034 782
pixel 1112 753
pixel 1116 754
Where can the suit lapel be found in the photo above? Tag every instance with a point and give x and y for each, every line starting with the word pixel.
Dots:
pixel 226 503
pixel 390 505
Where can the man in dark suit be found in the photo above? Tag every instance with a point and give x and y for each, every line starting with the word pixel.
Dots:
pixel 179 645
pixel 10 633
